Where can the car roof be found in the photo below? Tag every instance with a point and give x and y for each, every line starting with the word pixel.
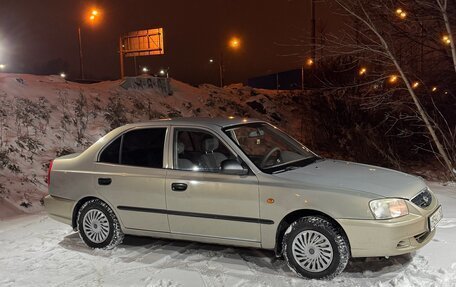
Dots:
pixel 219 121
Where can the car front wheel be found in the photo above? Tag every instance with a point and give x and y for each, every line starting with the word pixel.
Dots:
pixel 315 249
pixel 98 226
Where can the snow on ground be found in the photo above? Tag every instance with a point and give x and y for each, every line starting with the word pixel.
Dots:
pixel 38 251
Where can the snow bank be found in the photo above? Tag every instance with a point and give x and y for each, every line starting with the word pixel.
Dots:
pixel 42 117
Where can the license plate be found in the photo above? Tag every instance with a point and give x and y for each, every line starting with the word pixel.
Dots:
pixel 435 218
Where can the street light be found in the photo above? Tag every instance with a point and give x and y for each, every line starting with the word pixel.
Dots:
pixel 393 79
pixel 309 63
pixel 145 69
pixel 434 89
pixel 234 43
pixel 2 67
pixel 62 75
pixel 164 72
pixel 362 71
pixel 401 13
pixel 415 84
pixel 446 39
pixel 92 16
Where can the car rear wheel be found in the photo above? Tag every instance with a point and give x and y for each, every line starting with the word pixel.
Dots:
pixel 315 249
pixel 98 226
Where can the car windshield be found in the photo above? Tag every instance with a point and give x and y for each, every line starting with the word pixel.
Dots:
pixel 270 149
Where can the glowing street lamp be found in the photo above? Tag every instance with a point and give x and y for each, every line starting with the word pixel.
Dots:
pixel 401 13
pixel 63 75
pixel 2 67
pixel 415 84
pixel 434 89
pixel 309 62
pixel 393 79
pixel 145 69
pixel 92 16
pixel 164 72
pixel 362 71
pixel 235 43
pixel 446 39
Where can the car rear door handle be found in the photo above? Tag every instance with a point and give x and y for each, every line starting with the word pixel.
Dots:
pixel 104 181
pixel 179 186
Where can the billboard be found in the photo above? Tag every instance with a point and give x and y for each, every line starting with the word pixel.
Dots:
pixel 143 43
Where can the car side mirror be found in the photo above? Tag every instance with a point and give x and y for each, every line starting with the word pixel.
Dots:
pixel 232 166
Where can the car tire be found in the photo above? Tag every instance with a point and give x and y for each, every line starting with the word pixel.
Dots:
pixel 98 226
pixel 314 248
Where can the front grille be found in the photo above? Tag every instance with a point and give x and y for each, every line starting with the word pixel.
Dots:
pixel 423 199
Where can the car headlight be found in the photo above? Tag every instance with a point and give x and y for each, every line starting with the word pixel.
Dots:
pixel 388 208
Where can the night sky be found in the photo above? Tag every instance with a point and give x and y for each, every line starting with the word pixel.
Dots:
pixel 32 33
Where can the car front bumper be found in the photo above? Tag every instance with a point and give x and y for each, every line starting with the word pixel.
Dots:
pixel 60 209
pixel 372 238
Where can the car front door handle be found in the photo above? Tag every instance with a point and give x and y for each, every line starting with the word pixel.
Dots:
pixel 179 186
pixel 104 181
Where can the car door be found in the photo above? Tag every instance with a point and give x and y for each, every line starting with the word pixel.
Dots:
pixel 203 201
pixel 131 177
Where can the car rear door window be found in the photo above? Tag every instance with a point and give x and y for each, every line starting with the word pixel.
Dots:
pixel 143 147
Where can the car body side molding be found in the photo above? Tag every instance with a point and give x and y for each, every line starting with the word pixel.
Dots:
pixel 201 215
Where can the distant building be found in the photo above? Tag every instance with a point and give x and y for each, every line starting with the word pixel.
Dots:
pixel 287 80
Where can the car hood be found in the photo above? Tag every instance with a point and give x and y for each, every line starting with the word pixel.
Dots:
pixel 343 175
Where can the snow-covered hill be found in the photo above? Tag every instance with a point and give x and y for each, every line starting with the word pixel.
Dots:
pixel 42 117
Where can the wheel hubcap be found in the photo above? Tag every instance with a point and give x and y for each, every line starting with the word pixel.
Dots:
pixel 312 251
pixel 96 226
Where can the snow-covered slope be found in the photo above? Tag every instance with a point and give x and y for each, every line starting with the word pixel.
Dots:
pixel 42 117
pixel 38 251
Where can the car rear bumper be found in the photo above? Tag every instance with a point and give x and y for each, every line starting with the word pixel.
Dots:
pixel 60 209
pixel 372 238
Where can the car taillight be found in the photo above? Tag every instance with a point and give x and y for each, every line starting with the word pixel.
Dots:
pixel 48 178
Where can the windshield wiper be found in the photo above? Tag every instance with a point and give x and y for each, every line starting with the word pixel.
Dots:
pixel 288 168
pixel 295 164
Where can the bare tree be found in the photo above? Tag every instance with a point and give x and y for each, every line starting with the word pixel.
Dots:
pixel 443 5
pixel 372 40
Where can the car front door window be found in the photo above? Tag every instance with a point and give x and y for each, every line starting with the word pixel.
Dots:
pixel 199 150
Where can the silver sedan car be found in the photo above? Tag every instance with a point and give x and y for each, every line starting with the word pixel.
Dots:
pixel 240 182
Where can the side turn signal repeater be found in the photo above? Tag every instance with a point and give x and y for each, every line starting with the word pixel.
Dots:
pixel 270 200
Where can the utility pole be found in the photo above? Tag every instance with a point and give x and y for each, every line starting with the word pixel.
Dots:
pixel 277 82
pixel 121 55
pixel 313 31
pixel 221 68
pixel 81 58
